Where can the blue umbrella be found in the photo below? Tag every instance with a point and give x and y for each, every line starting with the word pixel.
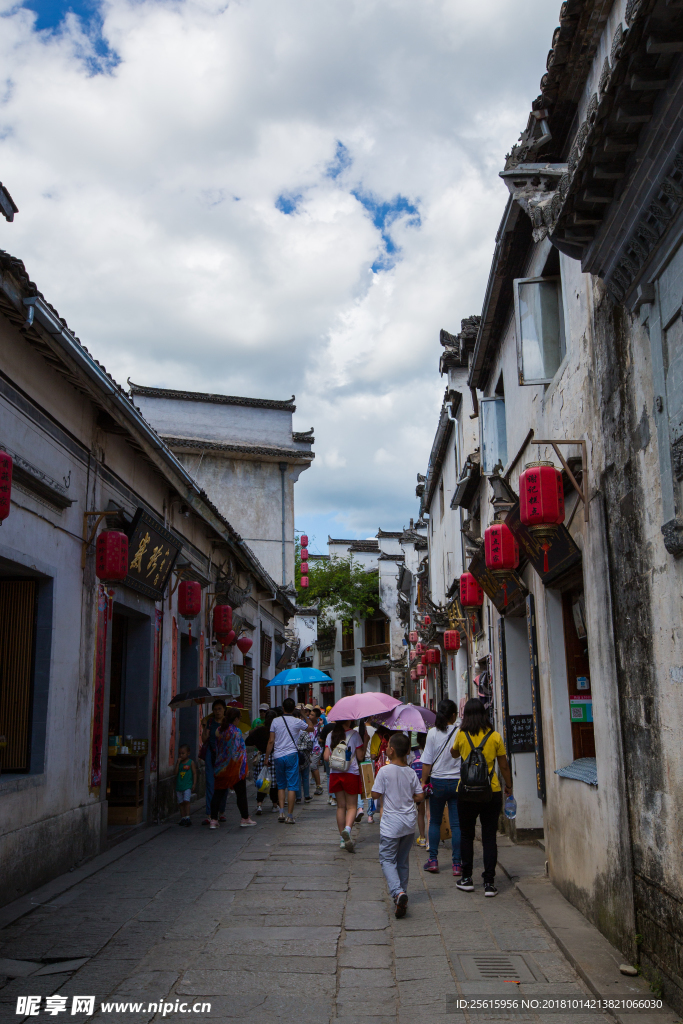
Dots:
pixel 299 676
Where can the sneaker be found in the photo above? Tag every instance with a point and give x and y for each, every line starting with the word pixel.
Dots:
pixel 307 799
pixel 401 902
pixel 490 889
pixel 342 844
pixel 259 809
pixel 290 819
pixel 348 841
pixel 206 821
pixel 274 808
pixel 432 865
pixel 457 870
pixel 466 884
pixel 213 823
pixel 281 816
pixel 359 815
pixel 246 823
pixel 221 817
pixel 318 791
pixel 421 841
pixel 298 799
pixel 333 802
pixel 188 822
pixel 182 821
pixel 370 819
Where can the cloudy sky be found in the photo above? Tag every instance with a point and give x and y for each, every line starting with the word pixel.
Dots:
pixel 272 197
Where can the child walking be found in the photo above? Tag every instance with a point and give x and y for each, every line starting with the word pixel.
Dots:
pixel 185 782
pixel 400 789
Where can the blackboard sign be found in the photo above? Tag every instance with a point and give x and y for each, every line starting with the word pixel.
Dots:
pixel 521 734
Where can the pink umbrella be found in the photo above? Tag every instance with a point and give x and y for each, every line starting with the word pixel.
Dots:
pixel 361 705
pixel 408 716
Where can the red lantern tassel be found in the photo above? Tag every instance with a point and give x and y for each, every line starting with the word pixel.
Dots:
pixel 546 548
pixel 189 633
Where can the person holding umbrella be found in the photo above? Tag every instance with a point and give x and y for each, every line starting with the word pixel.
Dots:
pixel 229 768
pixel 344 749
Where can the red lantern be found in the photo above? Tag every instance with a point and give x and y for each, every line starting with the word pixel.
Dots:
pixel 471 594
pixel 111 555
pixel 303 581
pixel 413 673
pixel 501 548
pixel 434 657
pixel 541 495
pixel 451 640
pixel 245 644
pixel 304 554
pixel 189 599
pixel 421 648
pixel 421 671
pixel 226 639
pixel 304 568
pixel 412 636
pixel 6 486
pixel 424 659
pixel 428 620
pixel 222 619
pixel 303 540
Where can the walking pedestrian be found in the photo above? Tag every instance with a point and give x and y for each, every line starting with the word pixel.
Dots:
pixel 344 749
pixel 474 738
pixel 229 768
pixel 400 791
pixel 211 722
pixel 418 741
pixel 317 750
pixel 185 782
pixel 304 746
pixel 282 744
pixel 440 777
pixel 324 733
pixel 259 738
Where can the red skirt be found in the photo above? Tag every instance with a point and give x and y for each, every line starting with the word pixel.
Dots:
pixel 347 782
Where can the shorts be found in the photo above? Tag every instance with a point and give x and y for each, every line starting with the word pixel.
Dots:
pixel 315 762
pixel 184 795
pixel 347 782
pixel 287 771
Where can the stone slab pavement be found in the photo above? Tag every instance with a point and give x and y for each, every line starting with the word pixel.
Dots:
pixel 277 924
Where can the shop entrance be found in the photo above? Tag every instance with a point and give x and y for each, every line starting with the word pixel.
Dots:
pixel 578 673
pixel 188 718
pixel 17 629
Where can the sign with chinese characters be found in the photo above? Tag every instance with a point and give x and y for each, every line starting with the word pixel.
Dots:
pixel 506 590
pixel 522 734
pixel 581 709
pixel 551 555
pixel 536 711
pixel 152 553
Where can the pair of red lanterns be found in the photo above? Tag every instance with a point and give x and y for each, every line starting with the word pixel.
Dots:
pixel 541 508
pixel 304 560
pixel 223 631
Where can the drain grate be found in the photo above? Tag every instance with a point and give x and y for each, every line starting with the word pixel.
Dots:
pixel 495 967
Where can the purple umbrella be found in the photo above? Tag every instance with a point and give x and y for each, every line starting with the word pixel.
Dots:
pixel 361 705
pixel 408 716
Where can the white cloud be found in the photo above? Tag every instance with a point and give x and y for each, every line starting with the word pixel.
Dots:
pixel 148 213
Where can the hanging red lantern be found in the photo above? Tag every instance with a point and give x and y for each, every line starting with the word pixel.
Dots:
pixel 111 555
pixel 226 639
pixel 303 581
pixel 471 594
pixel 451 640
pixel 428 620
pixel 421 671
pixel 413 673
pixel 434 656
pixel 501 548
pixel 420 648
pixel 541 495
pixel 245 644
pixel 303 540
pixel 304 568
pixel 5 484
pixel 189 601
pixel 412 636
pixel 304 554
pixel 222 619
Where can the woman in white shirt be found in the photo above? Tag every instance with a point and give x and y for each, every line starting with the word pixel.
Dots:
pixel 346 784
pixel 443 772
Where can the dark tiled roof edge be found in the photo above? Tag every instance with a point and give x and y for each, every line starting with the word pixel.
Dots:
pixel 199 444
pixel 200 396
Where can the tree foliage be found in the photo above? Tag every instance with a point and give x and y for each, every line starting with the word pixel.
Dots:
pixel 344 588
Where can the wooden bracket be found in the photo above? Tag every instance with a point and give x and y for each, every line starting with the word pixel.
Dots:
pixel 581 491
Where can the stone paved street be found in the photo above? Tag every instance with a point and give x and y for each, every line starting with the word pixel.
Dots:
pixel 276 923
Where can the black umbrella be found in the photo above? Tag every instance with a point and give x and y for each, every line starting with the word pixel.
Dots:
pixel 202 695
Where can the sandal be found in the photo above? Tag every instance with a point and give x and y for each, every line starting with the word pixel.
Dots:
pixel 290 820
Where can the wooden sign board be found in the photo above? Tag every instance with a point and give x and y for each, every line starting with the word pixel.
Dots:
pixel 507 591
pixel 521 737
pixel 152 553
pixel 561 555
pixel 367 774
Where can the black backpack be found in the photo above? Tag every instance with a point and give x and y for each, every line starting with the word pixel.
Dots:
pixel 475 777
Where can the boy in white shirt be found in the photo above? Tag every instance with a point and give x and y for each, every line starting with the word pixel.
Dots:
pixel 400 789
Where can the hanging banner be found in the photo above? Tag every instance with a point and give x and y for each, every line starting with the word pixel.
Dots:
pixel 156 683
pixel 99 688
pixel 506 590
pixel 152 553
pixel 174 688
pixel 551 554
pixel 536 709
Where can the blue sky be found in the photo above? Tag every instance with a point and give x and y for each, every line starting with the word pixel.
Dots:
pixel 363 141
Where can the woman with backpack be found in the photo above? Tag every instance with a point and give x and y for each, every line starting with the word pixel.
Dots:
pixel 440 778
pixel 478 746
pixel 344 749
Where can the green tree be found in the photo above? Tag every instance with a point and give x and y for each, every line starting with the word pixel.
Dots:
pixel 344 588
